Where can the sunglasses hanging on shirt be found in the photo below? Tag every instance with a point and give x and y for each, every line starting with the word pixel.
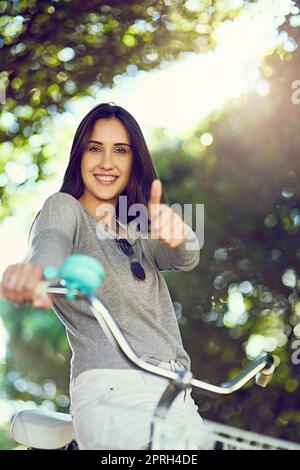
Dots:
pixel 137 269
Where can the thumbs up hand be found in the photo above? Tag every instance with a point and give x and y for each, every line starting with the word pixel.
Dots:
pixel 165 224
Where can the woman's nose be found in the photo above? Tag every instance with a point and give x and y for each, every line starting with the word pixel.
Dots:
pixel 106 161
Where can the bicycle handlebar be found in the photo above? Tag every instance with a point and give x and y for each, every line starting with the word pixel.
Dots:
pixel 262 367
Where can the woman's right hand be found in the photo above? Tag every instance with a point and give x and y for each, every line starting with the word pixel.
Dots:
pixel 19 283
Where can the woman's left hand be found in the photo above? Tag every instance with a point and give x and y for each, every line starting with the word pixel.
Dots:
pixel 165 224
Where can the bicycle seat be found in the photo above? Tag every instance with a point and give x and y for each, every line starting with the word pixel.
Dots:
pixel 42 429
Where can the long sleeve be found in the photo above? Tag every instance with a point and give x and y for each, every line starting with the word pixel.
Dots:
pixel 53 232
pixel 184 257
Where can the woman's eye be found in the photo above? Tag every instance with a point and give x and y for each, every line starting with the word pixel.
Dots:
pixel 95 149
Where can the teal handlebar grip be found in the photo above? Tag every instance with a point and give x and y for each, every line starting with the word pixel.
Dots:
pixel 78 272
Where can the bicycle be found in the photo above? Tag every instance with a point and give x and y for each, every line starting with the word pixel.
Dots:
pixel 78 277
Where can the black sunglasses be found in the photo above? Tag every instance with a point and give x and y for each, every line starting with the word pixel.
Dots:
pixel 136 268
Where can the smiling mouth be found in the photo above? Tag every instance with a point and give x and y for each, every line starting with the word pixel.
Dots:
pixel 106 179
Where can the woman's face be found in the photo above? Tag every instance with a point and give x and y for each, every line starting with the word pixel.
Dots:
pixel 106 162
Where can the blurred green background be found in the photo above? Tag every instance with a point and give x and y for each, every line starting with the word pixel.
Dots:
pixel 223 129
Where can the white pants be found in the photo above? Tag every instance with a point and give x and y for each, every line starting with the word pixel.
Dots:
pixel 112 409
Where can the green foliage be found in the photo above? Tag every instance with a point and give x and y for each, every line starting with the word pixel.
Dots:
pixel 38 348
pixel 54 52
pixel 36 370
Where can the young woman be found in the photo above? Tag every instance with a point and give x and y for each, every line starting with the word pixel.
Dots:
pixel 109 159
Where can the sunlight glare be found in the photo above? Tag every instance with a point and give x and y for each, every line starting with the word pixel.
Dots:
pixel 178 95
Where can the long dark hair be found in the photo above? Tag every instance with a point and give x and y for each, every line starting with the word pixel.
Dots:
pixel 143 169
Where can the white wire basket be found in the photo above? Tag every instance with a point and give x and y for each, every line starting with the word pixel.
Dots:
pixel 230 438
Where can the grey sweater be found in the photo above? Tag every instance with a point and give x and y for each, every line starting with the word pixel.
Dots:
pixel 143 310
